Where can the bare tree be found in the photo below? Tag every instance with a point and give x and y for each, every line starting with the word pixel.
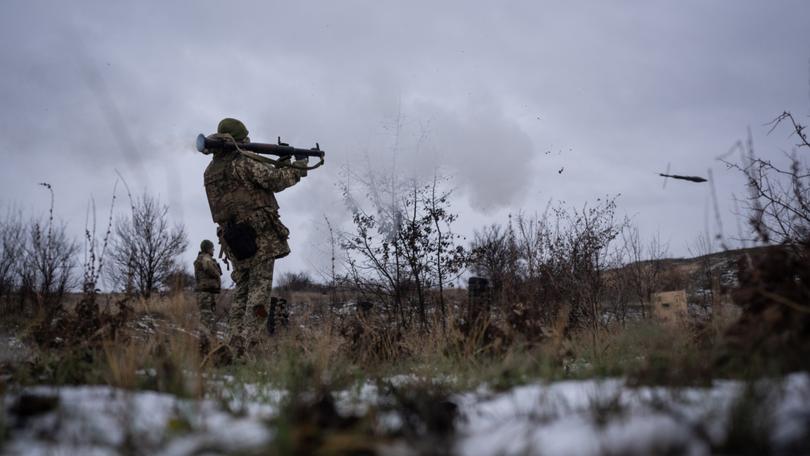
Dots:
pixel 774 284
pixel 297 281
pixel 448 258
pixel 12 247
pixel 49 260
pixel 400 251
pixel 779 194
pixel 551 265
pixel 490 256
pixel 578 258
pixel 644 265
pixel 145 247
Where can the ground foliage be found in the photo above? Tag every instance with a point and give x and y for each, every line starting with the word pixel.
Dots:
pixel 554 311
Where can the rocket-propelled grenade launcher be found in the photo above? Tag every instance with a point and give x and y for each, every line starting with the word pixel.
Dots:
pixel 281 149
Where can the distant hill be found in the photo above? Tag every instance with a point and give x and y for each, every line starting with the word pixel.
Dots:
pixel 707 279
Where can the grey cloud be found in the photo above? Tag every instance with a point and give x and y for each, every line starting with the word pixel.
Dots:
pixel 620 89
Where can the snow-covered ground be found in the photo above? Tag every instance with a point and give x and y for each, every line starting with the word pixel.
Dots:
pixel 606 417
pixel 99 420
pixel 566 418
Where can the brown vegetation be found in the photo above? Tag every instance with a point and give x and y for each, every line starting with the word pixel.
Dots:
pixel 565 294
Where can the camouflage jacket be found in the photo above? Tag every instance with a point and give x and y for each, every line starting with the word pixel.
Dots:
pixel 207 273
pixel 241 193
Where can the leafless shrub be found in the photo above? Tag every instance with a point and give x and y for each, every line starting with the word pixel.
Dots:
pixel 645 266
pixel 145 247
pixel 491 256
pixel 779 194
pixel 774 284
pixel 94 251
pixel 12 247
pixel 551 263
pixel 403 246
pixel 578 258
pixel 48 264
pixel 296 281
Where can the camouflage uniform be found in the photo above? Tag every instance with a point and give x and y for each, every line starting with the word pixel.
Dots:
pixel 207 274
pixel 240 194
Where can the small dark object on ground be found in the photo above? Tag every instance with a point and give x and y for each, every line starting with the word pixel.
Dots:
pixel 29 405
pixel 317 427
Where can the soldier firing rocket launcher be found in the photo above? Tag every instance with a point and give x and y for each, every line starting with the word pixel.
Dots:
pixel 282 150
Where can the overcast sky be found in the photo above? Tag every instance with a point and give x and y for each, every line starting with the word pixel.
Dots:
pixel 500 96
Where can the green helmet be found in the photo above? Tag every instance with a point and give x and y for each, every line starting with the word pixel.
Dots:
pixel 206 246
pixel 233 127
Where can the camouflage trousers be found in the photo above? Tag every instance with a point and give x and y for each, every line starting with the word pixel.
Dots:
pixel 207 304
pixel 248 314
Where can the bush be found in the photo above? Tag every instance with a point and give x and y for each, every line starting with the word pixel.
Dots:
pixel 547 264
pixel 12 247
pixel 46 270
pixel 297 281
pixel 145 248
pixel 403 248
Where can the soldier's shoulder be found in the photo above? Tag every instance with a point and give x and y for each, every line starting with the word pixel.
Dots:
pixel 213 167
pixel 217 170
pixel 244 160
pixel 250 166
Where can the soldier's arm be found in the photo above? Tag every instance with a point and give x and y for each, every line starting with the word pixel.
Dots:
pixel 269 177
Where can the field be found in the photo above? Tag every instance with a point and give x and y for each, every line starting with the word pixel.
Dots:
pixel 561 332
pixel 338 381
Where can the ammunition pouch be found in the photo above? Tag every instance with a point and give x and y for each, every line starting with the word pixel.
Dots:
pixel 281 231
pixel 241 240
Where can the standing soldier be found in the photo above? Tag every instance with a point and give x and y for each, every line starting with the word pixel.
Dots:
pixel 207 274
pixel 240 193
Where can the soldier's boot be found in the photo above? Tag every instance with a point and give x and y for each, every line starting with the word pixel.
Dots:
pixel 254 331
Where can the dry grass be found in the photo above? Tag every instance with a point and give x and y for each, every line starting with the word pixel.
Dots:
pixel 123 361
pixel 165 357
pixel 332 349
pixel 315 357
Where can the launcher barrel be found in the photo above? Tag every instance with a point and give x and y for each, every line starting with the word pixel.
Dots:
pixel 280 150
